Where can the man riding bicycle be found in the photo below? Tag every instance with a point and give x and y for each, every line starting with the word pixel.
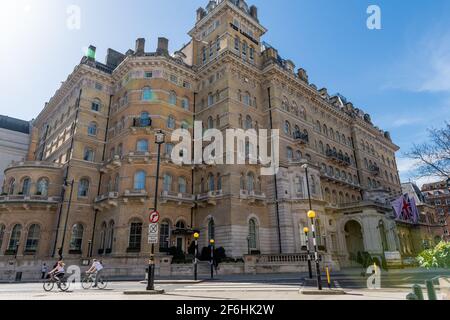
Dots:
pixel 96 268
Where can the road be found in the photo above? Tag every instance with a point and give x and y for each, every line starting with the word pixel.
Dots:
pixel 394 285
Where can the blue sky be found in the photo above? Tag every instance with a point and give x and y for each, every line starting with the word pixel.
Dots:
pixel 399 74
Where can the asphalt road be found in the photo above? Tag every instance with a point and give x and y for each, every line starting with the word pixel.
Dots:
pixel 394 285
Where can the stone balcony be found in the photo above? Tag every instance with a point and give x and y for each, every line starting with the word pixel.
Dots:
pixel 107 200
pixel 209 198
pixel 141 124
pixel 338 158
pixel 253 196
pixel 140 195
pixel 333 179
pixel 138 156
pixel 178 198
pixel 301 138
pixel 27 201
pixel 31 164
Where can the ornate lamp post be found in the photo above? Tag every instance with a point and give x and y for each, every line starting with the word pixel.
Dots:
pixel 306 231
pixel 196 236
pixel 159 140
pixel 211 242
pixel 312 215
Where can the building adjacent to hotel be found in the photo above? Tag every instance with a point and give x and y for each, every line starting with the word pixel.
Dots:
pixel 92 162
pixel 438 195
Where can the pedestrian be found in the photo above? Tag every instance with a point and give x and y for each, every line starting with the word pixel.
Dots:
pixel 44 270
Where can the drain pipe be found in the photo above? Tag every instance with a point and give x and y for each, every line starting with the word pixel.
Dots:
pixel 277 208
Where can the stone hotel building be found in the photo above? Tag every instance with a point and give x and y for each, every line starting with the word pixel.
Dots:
pixel 88 183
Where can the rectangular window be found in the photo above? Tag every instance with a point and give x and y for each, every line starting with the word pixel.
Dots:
pixel 148 74
pixel 174 79
pixel 186 85
pixel 98 86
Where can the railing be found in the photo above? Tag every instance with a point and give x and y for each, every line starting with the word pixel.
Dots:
pixel 252 195
pixel 135 193
pixel 333 178
pixel 177 196
pixel 107 196
pixel 285 258
pixel 45 164
pixel 28 198
pixel 209 195
pixel 375 170
pixel 301 137
pixel 142 122
pixel 338 157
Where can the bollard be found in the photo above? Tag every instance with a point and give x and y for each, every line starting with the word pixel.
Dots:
pixel 430 290
pixel 328 278
pixel 417 291
pixel 411 296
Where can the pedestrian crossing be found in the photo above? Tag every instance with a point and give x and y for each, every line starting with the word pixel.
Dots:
pixel 239 287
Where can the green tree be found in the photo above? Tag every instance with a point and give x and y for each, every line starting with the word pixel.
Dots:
pixel 438 257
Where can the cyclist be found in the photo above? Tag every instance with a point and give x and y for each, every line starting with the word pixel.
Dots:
pixel 58 272
pixel 96 268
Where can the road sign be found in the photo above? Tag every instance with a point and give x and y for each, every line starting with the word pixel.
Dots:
pixel 154 217
pixel 153 233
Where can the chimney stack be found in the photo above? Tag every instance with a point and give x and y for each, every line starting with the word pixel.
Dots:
pixel 254 12
pixel 140 47
pixel 163 46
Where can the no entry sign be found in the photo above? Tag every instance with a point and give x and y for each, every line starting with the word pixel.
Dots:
pixel 154 216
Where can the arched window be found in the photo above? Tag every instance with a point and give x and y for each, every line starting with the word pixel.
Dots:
pixel 76 240
pixel 182 185
pixel 298 182
pixel 325 130
pixel 210 123
pixel 116 183
pixel 318 126
pixel 185 103
pixel 171 122
pixel 164 235
pixel 237 43
pixel 289 154
pixel 26 184
pixel 211 229
pixel 139 180
pixel 88 154
pixel 219 182
pixel 34 233
pixel 211 185
pixel 120 150
pixel 134 240
pixel 244 48
pixel 15 238
pixel 252 235
pixel 321 147
pixel 145 120
pixel 103 236
pixel 167 183
pixel 285 104
pixel 142 145
pixel 247 99
pixel 180 225
pixel 250 182
pixel 42 187
pixel 147 94
pixel 96 105
pixel 210 99
pixel 298 155
pixel 173 98
pixel 287 128
pixel 83 188
pixel 11 186
pixel 110 236
pixel 248 122
pixel 313 185
pixel 92 129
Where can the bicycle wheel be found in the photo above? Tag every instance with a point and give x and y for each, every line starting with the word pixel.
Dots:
pixel 63 285
pixel 102 283
pixel 48 285
pixel 86 283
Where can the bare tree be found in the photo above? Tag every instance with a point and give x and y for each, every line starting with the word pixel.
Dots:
pixel 433 157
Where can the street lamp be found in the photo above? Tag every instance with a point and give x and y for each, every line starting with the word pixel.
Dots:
pixel 211 242
pixel 306 231
pixel 89 248
pixel 159 140
pixel 312 215
pixel 196 236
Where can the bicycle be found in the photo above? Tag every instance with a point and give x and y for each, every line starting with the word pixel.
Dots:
pixel 49 284
pixel 89 280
